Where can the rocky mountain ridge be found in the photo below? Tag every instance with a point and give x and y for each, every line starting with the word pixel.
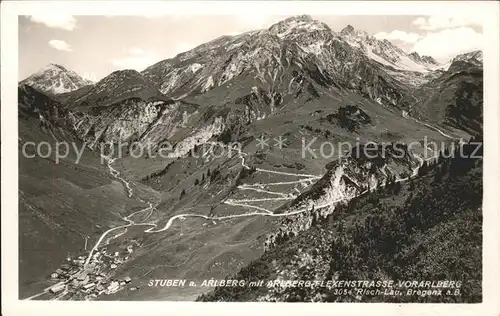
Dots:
pixel 455 97
pixel 56 79
pixel 386 53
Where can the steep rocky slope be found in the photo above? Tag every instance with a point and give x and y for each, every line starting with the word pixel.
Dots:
pixel 455 98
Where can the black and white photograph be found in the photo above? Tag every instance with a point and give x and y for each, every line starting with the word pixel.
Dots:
pixel 250 157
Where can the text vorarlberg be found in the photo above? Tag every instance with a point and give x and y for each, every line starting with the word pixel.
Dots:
pixel 443 284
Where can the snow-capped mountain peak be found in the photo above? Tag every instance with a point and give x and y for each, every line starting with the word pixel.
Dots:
pixel 296 24
pixel 56 79
pixel 470 56
pixel 386 53
pixel 263 54
pixel 350 31
pixel 474 57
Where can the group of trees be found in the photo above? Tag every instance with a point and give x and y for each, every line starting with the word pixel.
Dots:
pixel 392 185
pixel 211 176
pixel 350 117
pixel 283 236
pixel 245 173
pixel 391 237
pixel 467 110
pixel 455 160
pixel 196 182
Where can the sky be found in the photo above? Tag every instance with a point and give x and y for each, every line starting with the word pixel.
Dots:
pixel 95 46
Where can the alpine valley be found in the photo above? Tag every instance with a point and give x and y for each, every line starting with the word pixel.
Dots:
pixel 245 190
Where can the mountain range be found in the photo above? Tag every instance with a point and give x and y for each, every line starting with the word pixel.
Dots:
pixel 298 79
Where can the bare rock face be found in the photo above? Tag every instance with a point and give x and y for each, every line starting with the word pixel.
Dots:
pixel 359 172
pixel 55 79
pixel 423 60
pixel 124 122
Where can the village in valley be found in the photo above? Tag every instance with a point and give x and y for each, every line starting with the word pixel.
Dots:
pixel 80 280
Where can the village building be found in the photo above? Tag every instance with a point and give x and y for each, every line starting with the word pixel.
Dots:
pixel 58 288
pixel 113 286
pixel 82 276
pixel 89 286
pixel 65 266
pixel 86 280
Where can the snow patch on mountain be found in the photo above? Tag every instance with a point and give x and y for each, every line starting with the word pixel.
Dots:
pixel 386 53
pixel 474 56
pixel 208 84
pixel 199 137
pixel 377 58
pixel 296 24
pixel 234 45
pixel 195 67
pixel 314 48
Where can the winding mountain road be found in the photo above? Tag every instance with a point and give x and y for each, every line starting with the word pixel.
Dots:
pixel 435 128
pixel 241 203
